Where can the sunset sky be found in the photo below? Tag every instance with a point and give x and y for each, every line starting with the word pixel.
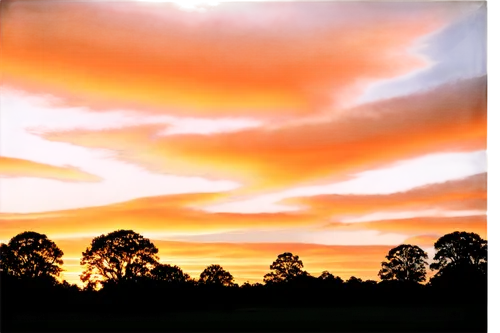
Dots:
pixel 229 133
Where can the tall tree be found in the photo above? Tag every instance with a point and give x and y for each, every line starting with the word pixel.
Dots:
pixel 404 263
pixel 215 275
pixel 284 269
pixel 461 262
pixel 31 255
pixel 118 256
pixel 460 248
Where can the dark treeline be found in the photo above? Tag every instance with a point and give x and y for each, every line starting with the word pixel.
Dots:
pixel 126 288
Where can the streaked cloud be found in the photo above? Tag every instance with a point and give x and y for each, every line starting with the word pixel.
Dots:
pixel 366 185
pixel 25 116
pixel 15 167
pixel 275 67
pixel 427 169
pixel 411 226
pixel 164 216
pixel 180 217
pixel 450 119
pixel 463 194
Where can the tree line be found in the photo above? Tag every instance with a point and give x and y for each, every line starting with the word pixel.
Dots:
pixel 126 288
pixel 126 256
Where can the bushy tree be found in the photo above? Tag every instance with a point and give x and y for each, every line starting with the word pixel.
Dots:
pixel 460 249
pixel 461 261
pixel 215 275
pixel 121 255
pixel 169 274
pixel 284 269
pixel 31 255
pixel 404 263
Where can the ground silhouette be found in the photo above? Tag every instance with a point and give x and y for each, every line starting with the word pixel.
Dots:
pixel 133 292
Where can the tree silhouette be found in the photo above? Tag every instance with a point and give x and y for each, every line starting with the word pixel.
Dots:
pixel 354 281
pixel 4 258
pixel 170 274
pixel 215 275
pixel 404 263
pixel 118 256
pixel 31 255
pixel 127 265
pixel 370 282
pixel 247 284
pixel 460 248
pixel 284 269
pixel 303 280
pixel 326 275
pixel 488 267
pixel 461 261
pixel 330 278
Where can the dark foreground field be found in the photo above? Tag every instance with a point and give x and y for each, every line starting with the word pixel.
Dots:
pixel 140 307
pixel 306 319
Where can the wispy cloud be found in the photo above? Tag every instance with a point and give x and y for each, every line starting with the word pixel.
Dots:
pixel 180 217
pixel 439 225
pixel 277 67
pixel 467 193
pixel 449 119
pixel 15 167
pixel 161 216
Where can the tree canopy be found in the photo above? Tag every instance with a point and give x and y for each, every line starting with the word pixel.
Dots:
pixel 329 278
pixel 404 263
pixel 126 256
pixel 118 256
pixel 354 281
pixel 460 248
pixel 215 275
pixel 31 255
pixel 284 269
pixel 461 260
pixel 169 274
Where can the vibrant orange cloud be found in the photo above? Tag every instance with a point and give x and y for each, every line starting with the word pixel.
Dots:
pixel 163 215
pixel 464 194
pixel 417 225
pixel 180 62
pixel 249 261
pixel 451 118
pixel 16 167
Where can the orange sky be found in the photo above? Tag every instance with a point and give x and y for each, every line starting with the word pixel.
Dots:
pixel 209 56
pixel 232 134
pixel 248 261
